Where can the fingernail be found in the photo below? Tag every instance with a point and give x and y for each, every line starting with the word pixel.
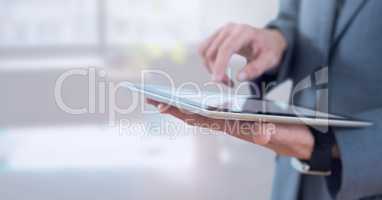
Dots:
pixel 242 76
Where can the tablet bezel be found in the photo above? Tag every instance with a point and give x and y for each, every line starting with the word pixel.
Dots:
pixel 228 115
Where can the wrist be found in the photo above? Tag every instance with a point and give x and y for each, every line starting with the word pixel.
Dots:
pixel 292 140
pixel 322 155
pixel 335 154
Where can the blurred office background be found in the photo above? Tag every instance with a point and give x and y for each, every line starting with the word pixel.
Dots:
pixel 46 153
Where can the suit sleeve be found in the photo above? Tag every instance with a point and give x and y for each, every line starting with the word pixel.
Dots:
pixel 361 158
pixel 286 23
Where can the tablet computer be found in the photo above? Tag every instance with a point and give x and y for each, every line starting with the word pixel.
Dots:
pixel 242 107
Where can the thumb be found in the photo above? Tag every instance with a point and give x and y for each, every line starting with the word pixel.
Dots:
pixel 255 68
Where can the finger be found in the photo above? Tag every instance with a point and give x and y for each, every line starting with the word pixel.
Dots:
pixel 196 119
pixel 256 67
pixel 231 45
pixel 163 108
pixel 227 81
pixel 216 43
pixel 178 113
pixel 171 110
pixel 251 51
pixel 204 47
pixel 152 102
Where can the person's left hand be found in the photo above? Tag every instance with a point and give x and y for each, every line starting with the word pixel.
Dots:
pixel 285 139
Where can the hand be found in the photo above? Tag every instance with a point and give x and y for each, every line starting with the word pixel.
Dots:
pixel 289 140
pixel 263 49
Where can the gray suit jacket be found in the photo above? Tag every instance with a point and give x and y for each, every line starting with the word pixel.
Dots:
pixel 351 45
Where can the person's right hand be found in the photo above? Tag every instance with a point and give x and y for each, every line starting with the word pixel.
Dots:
pixel 263 49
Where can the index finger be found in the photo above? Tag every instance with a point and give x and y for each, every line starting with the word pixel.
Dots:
pixel 230 46
pixel 204 46
pixel 152 102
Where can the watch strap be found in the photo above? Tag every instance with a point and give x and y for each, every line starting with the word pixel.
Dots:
pixel 321 157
